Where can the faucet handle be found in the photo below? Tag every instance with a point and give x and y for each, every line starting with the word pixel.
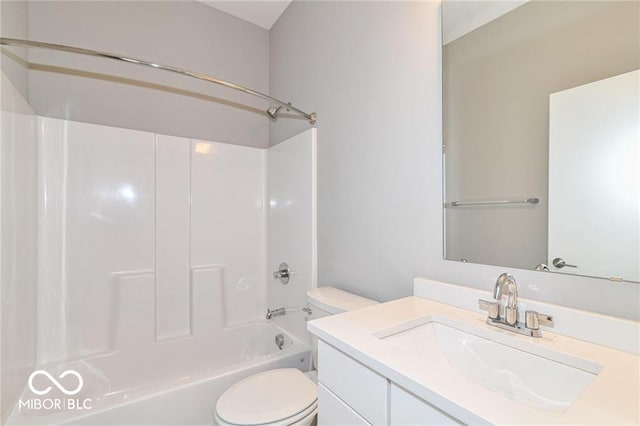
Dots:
pixel 493 308
pixel 511 315
pixel 546 320
pixel 533 320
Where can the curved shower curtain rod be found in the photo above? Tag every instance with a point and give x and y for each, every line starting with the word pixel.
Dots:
pixel 271 111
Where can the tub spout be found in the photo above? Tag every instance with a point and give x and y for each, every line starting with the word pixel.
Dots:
pixel 275 313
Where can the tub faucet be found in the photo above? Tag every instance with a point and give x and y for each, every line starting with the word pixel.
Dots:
pixel 275 312
pixel 504 313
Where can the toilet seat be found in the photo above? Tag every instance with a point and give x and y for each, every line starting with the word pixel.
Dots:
pixel 275 397
pixel 303 418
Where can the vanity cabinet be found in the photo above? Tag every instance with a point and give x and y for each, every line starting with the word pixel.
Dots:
pixel 334 411
pixel 360 388
pixel 350 393
pixel 407 409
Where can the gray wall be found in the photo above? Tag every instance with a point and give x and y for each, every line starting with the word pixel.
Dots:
pixel 14 22
pixel 372 72
pixel 497 82
pixel 365 68
pixel 185 34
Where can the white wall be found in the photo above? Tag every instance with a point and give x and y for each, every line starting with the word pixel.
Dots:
pixel 185 34
pixel 18 174
pixel 177 224
pixel 371 70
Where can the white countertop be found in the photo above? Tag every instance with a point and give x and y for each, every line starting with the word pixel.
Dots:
pixel 612 398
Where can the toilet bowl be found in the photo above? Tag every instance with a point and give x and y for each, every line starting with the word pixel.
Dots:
pixel 284 396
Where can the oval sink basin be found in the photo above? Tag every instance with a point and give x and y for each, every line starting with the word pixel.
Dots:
pixel 516 368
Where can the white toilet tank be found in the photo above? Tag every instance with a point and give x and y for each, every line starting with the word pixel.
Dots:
pixel 324 301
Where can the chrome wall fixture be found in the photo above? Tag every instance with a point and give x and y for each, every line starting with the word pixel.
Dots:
pixel 271 313
pixel 560 263
pixel 272 112
pixel 283 273
pixel 532 200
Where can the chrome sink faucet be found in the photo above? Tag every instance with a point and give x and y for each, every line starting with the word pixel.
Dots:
pixel 506 284
pixel 504 313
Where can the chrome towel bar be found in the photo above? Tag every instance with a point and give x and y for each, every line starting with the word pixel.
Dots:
pixel 532 200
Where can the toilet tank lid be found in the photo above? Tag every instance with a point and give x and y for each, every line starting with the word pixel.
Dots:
pixel 335 301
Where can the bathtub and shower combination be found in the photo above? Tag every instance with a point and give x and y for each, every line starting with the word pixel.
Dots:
pixel 154 260
pixel 178 384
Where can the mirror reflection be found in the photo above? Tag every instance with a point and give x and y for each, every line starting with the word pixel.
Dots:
pixel 542 136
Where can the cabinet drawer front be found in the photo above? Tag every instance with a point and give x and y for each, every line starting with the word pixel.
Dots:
pixel 333 411
pixel 407 409
pixel 358 386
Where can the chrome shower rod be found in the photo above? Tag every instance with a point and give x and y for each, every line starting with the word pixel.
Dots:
pixel 311 117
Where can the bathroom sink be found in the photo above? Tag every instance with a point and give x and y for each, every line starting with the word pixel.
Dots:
pixel 514 367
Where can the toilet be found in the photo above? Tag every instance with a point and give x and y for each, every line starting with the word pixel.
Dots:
pixel 284 396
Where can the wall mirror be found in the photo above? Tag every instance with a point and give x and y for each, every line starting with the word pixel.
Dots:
pixel 541 135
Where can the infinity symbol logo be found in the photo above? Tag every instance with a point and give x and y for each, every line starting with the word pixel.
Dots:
pixel 55 382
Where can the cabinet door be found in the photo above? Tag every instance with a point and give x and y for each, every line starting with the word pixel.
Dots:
pixel 333 411
pixel 407 409
pixel 360 387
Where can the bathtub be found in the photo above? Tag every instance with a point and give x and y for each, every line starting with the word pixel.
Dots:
pixel 177 383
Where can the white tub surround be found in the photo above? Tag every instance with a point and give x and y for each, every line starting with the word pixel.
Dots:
pixel 144 238
pixel 410 383
pixel 151 234
pixel 291 224
pixel 18 243
pixel 152 271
